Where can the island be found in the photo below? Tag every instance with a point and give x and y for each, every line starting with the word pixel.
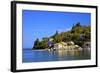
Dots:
pixel 78 38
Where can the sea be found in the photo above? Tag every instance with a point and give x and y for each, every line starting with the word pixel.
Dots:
pixel 29 55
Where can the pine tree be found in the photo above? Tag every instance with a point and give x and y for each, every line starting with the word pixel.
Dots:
pixel 36 44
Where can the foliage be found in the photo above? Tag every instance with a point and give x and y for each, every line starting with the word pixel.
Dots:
pixel 78 34
pixel 40 44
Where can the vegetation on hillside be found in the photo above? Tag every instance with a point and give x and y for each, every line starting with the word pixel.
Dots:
pixel 78 34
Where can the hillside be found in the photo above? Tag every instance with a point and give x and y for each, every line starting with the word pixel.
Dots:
pixel 78 34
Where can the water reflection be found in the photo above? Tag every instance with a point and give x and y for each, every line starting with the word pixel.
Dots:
pixel 57 55
pixel 70 54
pixel 62 52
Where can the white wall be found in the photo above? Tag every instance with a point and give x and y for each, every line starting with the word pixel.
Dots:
pixel 5 36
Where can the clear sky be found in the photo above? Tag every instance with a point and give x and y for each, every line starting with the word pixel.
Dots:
pixel 38 24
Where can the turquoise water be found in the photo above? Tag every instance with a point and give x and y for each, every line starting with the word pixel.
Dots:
pixel 61 55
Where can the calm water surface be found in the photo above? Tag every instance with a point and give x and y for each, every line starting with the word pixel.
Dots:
pixel 61 55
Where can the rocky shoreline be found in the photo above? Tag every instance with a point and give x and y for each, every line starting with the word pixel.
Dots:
pixel 65 46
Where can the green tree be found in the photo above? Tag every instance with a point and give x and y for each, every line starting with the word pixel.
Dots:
pixel 78 34
pixel 78 24
pixel 56 33
pixel 36 44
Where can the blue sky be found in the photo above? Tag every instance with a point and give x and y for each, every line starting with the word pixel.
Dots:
pixel 38 24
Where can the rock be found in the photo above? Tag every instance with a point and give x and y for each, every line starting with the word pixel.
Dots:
pixel 67 46
pixel 87 46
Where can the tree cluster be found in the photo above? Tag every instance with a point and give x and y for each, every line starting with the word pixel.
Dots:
pixel 78 34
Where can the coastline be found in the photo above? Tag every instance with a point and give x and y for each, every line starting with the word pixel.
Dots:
pixel 51 50
pixel 39 49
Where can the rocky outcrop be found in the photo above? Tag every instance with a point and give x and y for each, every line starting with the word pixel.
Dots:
pixel 66 46
pixel 87 46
